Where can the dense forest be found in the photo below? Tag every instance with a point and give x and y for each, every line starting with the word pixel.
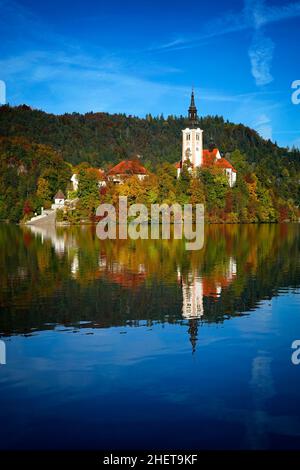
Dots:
pixel 100 138
pixel 39 151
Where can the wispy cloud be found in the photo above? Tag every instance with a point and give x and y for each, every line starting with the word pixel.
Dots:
pixel 263 125
pixel 261 55
pixel 59 75
pixel 262 47
pixel 67 82
pixel 255 15
pixel 258 15
pixel 64 76
pixel 280 13
pixel 168 45
pixel 229 23
pixel 19 22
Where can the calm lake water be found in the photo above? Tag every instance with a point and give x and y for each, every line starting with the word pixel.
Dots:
pixel 144 345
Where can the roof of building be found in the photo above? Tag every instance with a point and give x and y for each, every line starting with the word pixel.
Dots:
pixel 59 195
pixel 210 159
pixel 223 163
pixel 211 286
pixel 128 167
pixel 209 156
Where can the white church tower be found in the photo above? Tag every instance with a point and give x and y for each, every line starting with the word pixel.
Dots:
pixel 192 138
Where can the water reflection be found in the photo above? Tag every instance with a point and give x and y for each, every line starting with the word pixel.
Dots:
pixel 67 276
pixel 234 305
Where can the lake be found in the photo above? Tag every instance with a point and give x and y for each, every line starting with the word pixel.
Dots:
pixel 143 345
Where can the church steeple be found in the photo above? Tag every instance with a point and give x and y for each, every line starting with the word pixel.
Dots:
pixel 192 140
pixel 193 117
pixel 193 333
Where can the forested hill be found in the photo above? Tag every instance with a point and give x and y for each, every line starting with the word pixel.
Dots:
pixel 38 152
pixel 101 138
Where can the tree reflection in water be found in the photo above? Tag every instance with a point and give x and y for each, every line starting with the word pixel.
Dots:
pixel 66 276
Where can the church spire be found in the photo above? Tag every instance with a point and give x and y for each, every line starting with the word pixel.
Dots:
pixel 193 332
pixel 193 117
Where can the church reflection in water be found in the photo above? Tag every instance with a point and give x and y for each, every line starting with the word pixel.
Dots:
pixel 85 281
pixel 195 286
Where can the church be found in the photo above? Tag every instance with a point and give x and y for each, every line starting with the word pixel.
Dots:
pixel 193 151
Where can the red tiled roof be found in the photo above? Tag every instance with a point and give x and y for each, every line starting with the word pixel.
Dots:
pixel 211 285
pixel 212 152
pixel 223 163
pixel 210 159
pixel 128 167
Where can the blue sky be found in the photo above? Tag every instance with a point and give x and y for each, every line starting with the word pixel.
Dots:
pixel 140 57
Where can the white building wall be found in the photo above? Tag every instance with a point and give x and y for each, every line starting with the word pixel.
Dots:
pixel 74 180
pixel 192 293
pixel 121 178
pixel 59 202
pixel 233 179
pixel 231 175
pixel 192 146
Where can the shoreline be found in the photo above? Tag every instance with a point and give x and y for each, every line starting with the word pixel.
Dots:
pixel 88 223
